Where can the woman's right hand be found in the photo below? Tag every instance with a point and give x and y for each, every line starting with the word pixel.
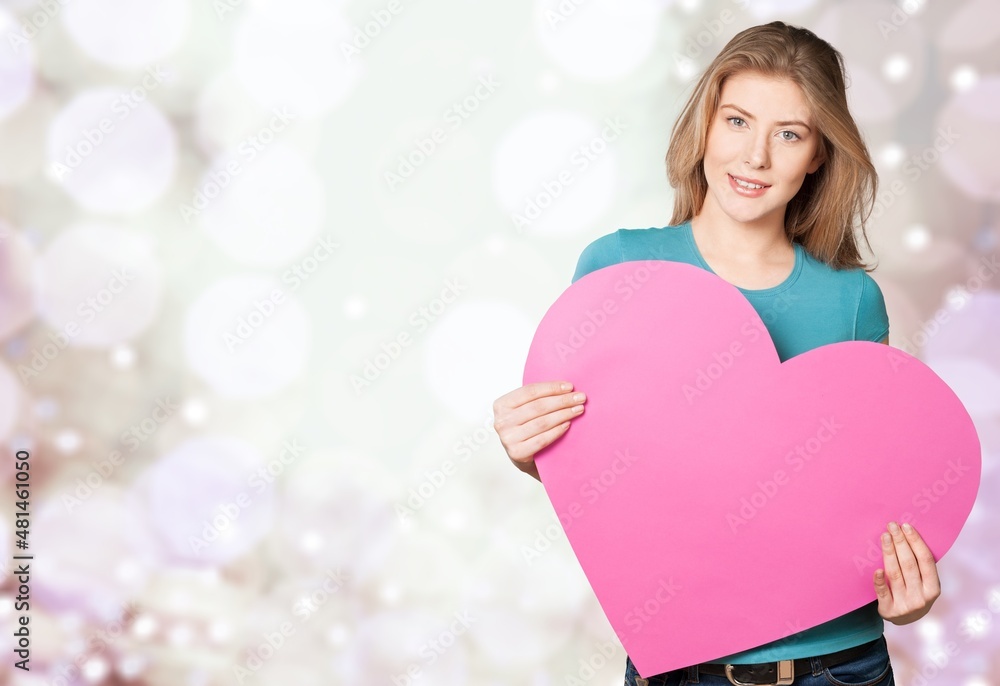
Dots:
pixel 533 416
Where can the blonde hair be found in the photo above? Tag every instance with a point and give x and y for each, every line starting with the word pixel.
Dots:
pixel 822 214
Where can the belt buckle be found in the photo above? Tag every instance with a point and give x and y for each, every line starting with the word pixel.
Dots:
pixel 786 675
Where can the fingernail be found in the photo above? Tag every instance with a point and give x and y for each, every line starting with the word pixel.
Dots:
pixel 567 386
pixel 907 528
pixel 893 528
pixel 886 539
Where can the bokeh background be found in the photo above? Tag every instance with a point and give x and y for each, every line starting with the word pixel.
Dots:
pixel 264 267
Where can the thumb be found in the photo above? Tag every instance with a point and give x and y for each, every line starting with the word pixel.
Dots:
pixel 882 589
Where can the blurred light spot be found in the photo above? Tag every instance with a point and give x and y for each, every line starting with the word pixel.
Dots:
pixel 891 154
pixel 455 520
pixel 67 441
pixel 98 285
pixel 896 68
pixel 390 593
pixel 17 64
pixel 220 631
pixel 774 9
pixel 284 61
pixel 311 542
pixel 17 290
pixel 194 411
pixel 191 496
pixel 599 40
pixel 337 635
pixel 131 666
pixel 496 244
pixel 555 172
pixel 547 82
pixel 111 158
pixel 128 34
pixel 963 77
pixel 689 6
pixel 354 307
pixel 970 122
pixel 180 635
pixel 144 626
pixel 10 401
pixel 278 188
pixel 917 237
pixel 247 337
pixel 931 631
pixel 122 356
pixel 472 352
pixel 128 571
pixel 95 669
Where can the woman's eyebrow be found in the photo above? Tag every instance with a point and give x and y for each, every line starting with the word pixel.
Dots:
pixel 747 115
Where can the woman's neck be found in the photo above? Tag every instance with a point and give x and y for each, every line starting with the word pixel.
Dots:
pixel 722 238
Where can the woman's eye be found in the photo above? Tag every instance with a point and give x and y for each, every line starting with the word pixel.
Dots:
pixel 737 121
pixel 789 135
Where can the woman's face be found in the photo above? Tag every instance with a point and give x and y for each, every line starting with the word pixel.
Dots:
pixel 762 134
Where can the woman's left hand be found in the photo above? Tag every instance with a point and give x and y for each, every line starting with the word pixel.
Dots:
pixel 909 584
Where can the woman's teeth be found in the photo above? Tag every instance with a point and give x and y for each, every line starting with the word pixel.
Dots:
pixel 746 184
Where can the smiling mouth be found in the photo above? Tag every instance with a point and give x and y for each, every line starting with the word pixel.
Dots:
pixel 748 185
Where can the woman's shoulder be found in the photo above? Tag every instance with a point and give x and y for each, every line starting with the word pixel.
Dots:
pixel 624 244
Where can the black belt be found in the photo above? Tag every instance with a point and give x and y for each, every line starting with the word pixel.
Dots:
pixel 783 671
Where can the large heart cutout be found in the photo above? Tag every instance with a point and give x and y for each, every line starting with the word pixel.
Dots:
pixel 718 499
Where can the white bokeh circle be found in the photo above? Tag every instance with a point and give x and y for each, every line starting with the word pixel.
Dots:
pixel 267 213
pixel 968 138
pixel 127 33
pixel 112 153
pixel 290 54
pixel 199 502
pixel 93 540
pixel 471 357
pixel 599 40
pixel 103 280
pixel 10 401
pixel 17 64
pixel 17 296
pixel 555 173
pixel 244 340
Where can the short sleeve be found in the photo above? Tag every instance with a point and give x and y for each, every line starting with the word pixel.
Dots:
pixel 601 252
pixel 872 322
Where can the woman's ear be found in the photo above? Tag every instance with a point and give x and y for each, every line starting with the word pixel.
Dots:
pixel 817 161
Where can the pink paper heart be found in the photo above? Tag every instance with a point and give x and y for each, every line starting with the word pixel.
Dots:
pixel 715 496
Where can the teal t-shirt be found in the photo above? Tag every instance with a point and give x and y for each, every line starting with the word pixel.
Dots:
pixel 815 305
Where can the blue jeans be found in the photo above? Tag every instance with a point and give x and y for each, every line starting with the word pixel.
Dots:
pixel 871 669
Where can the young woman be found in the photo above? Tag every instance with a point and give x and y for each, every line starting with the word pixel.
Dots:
pixel 772 178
